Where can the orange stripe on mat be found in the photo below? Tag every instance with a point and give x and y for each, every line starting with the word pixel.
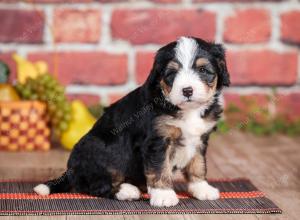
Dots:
pixel 45 180
pixel 224 195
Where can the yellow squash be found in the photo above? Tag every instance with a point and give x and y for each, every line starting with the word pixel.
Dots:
pixel 82 121
pixel 27 69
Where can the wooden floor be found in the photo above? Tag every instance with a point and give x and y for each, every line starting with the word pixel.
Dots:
pixel 272 163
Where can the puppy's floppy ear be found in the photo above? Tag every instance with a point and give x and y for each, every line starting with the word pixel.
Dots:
pixel 218 52
pixel 155 73
pixel 162 56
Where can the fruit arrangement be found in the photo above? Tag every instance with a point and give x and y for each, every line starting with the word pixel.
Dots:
pixel 35 83
pixel 68 121
pixel 47 89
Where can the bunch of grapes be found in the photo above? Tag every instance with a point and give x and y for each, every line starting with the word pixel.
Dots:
pixel 47 89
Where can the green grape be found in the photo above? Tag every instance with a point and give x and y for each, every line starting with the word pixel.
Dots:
pixel 67 112
pixel 19 87
pixel 60 89
pixel 43 81
pixel 63 126
pixel 54 120
pixel 51 107
pixel 48 94
pixel 48 89
pixel 60 99
pixel 39 77
pixel 59 114
pixel 66 107
pixel 40 89
pixel 57 132
pixel 30 82
pixel 47 76
pixel 67 117
pixel 52 84
pixel 49 85
pixel 26 93
pixel 44 98
pixel 33 96
pixel 27 87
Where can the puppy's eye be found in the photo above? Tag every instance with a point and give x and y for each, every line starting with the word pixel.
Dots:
pixel 170 72
pixel 202 69
pixel 170 75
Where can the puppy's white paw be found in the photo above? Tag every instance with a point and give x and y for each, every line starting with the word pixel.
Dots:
pixel 203 191
pixel 42 189
pixel 128 192
pixel 163 197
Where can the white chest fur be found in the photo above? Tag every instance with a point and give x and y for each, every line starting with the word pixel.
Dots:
pixel 192 127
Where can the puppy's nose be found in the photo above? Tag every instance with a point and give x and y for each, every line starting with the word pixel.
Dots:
pixel 187 92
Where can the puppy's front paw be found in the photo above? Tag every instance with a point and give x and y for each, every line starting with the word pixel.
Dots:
pixel 203 191
pixel 128 192
pixel 163 197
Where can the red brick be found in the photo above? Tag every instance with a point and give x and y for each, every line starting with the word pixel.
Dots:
pixel 290 27
pixel 250 105
pixel 248 26
pixel 289 105
pixel 22 26
pixel 115 97
pixel 241 100
pixel 7 58
pixel 144 62
pixel 74 25
pixel 160 26
pixel 98 68
pixel 262 67
pixel 87 99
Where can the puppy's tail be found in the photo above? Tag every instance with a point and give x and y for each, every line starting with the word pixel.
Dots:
pixel 61 184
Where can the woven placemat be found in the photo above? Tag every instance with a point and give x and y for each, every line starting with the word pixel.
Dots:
pixel 237 196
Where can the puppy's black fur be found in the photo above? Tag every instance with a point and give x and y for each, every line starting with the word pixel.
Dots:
pixel 123 143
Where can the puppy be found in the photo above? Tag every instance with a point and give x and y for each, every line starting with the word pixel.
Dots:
pixel 162 126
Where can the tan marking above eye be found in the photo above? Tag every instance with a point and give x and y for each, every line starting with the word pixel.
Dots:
pixel 202 62
pixel 173 65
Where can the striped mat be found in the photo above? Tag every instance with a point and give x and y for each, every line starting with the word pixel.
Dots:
pixel 237 196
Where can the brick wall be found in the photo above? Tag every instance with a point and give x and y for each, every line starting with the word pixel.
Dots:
pixel 103 49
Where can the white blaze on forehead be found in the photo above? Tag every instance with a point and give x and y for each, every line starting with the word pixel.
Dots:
pixel 185 51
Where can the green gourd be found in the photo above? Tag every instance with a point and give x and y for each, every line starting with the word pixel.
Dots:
pixel 4 72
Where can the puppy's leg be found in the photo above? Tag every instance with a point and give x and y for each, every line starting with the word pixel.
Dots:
pixel 160 189
pixel 122 190
pixel 196 175
pixel 158 172
pixel 159 183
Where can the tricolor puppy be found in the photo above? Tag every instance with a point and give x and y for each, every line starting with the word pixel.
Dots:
pixel 158 128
